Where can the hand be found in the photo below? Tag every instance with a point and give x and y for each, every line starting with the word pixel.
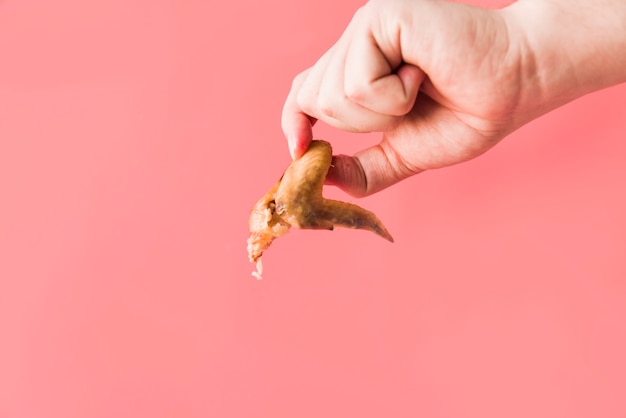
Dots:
pixel 443 82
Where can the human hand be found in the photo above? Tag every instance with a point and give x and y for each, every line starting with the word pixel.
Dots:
pixel 443 82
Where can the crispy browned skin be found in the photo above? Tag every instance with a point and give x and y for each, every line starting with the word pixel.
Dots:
pixel 296 200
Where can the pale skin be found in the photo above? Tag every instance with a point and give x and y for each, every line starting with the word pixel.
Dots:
pixel 445 82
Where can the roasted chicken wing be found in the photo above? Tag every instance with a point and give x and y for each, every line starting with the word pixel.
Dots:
pixel 296 200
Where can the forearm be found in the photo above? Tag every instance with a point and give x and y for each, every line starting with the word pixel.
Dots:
pixel 569 47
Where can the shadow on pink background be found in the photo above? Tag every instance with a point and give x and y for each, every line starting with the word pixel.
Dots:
pixel 134 138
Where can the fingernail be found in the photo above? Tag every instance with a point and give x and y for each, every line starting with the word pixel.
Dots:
pixel 292 148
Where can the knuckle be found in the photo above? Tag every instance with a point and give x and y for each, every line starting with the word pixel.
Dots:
pixel 327 108
pixel 304 101
pixel 298 80
pixel 328 111
pixel 355 92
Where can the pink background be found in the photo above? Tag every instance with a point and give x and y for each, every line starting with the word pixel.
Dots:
pixel 134 138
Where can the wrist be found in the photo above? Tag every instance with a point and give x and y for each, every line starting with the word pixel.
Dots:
pixel 568 48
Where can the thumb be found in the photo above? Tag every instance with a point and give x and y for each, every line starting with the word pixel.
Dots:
pixel 369 171
pixel 347 173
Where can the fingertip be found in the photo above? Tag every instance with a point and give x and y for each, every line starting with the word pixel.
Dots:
pixel 297 148
pixel 291 145
pixel 292 150
pixel 297 126
pixel 298 130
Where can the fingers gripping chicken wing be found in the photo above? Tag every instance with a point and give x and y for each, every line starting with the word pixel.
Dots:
pixel 296 200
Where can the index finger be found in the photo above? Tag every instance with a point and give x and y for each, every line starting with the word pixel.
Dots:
pixel 297 125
